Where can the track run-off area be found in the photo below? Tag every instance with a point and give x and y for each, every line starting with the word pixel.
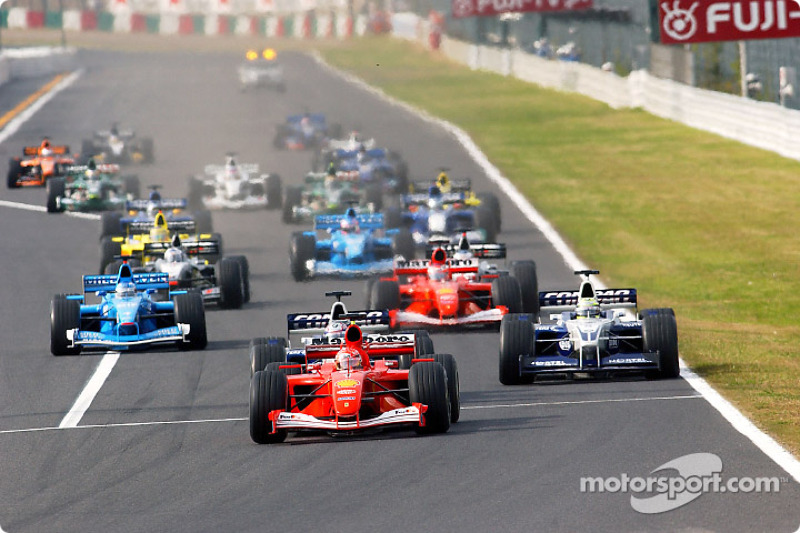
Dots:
pixel 158 440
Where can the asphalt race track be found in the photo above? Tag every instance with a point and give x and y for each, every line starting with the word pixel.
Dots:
pixel 167 446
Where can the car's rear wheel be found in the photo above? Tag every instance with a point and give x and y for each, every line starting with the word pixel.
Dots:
pixel 203 222
pixel 109 251
pixel 189 310
pixel 245 266
pixel 231 286
pixel 385 295
pixel 263 354
pixel 132 186
pixel 403 244
pixel 110 224
pixel 427 384
pixel 55 190
pixel 64 315
pixel 516 339
pixel 274 193
pixel 660 333
pixel 302 248
pixel 453 391
pixel 506 292
pixel 14 171
pixel 294 196
pixel 525 273
pixel 269 391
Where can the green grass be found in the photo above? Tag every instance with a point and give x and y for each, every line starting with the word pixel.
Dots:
pixel 696 222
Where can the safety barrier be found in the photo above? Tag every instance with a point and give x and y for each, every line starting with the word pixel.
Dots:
pixel 762 124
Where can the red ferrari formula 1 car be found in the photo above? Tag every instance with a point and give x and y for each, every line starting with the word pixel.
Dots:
pixel 345 387
pixel 451 292
pixel 38 164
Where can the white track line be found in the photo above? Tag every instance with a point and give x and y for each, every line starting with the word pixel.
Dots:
pixel 15 123
pixel 42 209
pixel 241 419
pixel 91 389
pixel 764 442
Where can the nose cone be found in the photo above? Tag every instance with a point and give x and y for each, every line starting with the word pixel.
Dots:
pixel 447 298
pixel 347 393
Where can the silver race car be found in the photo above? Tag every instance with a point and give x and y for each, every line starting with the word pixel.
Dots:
pixel 235 186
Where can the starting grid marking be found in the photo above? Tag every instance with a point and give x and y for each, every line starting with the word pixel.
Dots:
pixel 67 423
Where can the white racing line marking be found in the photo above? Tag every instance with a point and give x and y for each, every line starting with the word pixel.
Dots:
pixel 91 389
pixel 42 209
pixel 64 426
pixel 764 442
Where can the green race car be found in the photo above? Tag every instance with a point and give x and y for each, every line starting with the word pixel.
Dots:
pixel 329 193
pixel 91 187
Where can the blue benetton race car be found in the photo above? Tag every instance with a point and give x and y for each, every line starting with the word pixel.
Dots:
pixel 130 314
pixel 352 249
pixel 595 332
pixel 301 132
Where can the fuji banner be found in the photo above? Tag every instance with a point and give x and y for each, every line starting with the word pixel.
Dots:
pixel 700 21
pixel 489 8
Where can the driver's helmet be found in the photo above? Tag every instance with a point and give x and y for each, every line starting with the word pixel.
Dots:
pixel 173 255
pixel 46 152
pixel 159 234
pixel 362 152
pixel 347 360
pixel 349 225
pixel 434 197
pixel 587 308
pixel 126 289
pixel 336 329
pixel 438 272
pixel 153 206
pixel 91 174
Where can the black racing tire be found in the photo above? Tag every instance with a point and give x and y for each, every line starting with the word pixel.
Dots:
pixel 274 192
pixel 195 196
pixel 294 196
pixel 148 150
pixel 109 250
pixel 189 310
pixel 110 224
pixel 87 149
pixel 486 220
pixel 279 141
pixel 245 266
pixel 427 384
pixel 203 222
pixel 392 217
pixel 403 244
pixel 423 346
pixel 301 248
pixel 525 273
pixel 516 339
pixel 263 354
pixel 217 239
pixel 132 186
pixel 64 315
pixel 55 190
pixel 269 391
pixel 506 291
pixel 14 172
pixel 231 286
pixel 385 295
pixel 660 333
pixel 453 390
pixel 490 201
pixel 374 195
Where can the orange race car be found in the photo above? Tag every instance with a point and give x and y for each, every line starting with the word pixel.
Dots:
pixel 37 164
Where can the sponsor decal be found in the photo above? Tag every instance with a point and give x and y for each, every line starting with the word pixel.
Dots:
pixel 565 344
pixel 696 21
pixel 347 391
pixel 550 363
pixel 628 360
pixel 284 416
pixel 341 398
pixel 347 383
pixel 487 8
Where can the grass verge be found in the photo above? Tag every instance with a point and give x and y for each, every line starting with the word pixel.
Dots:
pixel 696 222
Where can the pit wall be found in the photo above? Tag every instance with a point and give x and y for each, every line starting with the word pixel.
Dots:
pixel 761 124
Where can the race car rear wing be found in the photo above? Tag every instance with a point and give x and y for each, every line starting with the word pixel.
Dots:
pixel 411 267
pixel 378 346
pixel 143 281
pixel 193 248
pixel 143 226
pixel 559 301
pixel 481 251
pixel 315 323
pixel 457 185
pixel 366 221
pixel 165 204
pixel 34 150
pixel 422 198
pixel 250 168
